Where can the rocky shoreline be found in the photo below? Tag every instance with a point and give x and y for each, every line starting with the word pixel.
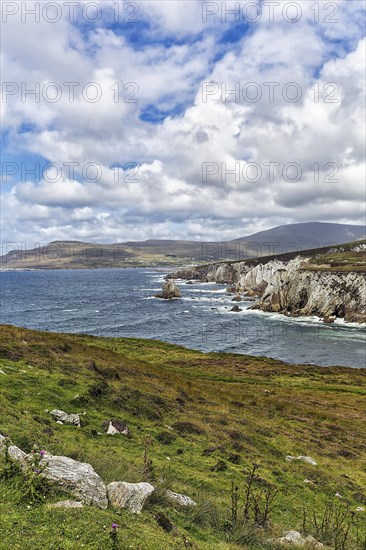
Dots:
pixel 295 287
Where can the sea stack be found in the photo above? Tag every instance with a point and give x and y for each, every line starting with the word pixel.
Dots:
pixel 169 290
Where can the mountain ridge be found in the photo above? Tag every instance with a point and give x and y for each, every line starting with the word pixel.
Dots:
pixel 73 254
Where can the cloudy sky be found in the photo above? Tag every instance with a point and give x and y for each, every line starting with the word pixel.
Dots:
pixel 180 119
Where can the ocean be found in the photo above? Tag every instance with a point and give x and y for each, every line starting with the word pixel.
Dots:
pixel 121 302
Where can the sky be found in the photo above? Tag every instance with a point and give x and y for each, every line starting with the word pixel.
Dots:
pixel 180 119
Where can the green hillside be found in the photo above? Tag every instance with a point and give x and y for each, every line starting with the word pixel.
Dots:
pixel 202 420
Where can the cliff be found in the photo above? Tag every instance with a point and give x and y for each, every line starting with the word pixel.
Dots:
pixel 330 284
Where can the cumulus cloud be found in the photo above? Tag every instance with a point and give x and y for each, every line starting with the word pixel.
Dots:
pixel 204 129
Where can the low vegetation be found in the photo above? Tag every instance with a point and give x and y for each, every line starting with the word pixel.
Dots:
pixel 216 427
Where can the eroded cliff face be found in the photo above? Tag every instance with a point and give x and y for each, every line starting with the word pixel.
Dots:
pixel 325 294
pixel 293 288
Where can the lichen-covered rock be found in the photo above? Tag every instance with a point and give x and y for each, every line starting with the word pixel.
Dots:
pixel 15 452
pixel 294 538
pixel 61 416
pixel 182 500
pixel 131 496
pixel 78 478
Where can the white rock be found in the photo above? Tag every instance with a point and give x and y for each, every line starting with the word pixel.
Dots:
pixel 295 538
pixel 360 509
pixel 292 537
pixel 114 427
pixel 15 452
pixel 131 496
pixel 66 504
pixel 78 478
pixel 308 481
pixel 61 416
pixel 307 459
pixel 183 500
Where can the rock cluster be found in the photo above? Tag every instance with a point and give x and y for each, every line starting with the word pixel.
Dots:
pixel 80 480
pixel 64 418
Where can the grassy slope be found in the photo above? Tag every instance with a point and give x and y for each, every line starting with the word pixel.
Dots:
pixel 310 410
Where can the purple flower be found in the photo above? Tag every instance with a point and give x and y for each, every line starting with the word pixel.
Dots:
pixel 37 471
pixel 42 453
pixel 114 525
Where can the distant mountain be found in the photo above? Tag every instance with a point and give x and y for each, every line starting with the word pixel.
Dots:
pixel 162 253
pixel 303 236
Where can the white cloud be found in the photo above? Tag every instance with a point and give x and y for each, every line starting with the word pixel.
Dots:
pixel 170 197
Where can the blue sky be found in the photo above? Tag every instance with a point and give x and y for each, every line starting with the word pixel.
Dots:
pixel 195 142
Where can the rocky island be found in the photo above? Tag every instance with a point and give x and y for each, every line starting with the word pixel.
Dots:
pixel 329 283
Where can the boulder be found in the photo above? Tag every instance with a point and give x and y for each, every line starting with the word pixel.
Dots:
pixel 169 290
pixel 61 416
pixel 236 308
pixel 294 538
pixel 329 319
pixel 182 500
pixel 306 459
pixel 236 298
pixel 113 427
pixel 15 452
pixel 78 478
pixel 131 496
pixel 66 504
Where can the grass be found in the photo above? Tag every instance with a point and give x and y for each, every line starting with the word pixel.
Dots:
pixel 210 400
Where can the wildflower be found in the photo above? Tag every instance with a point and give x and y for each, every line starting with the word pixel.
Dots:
pixel 42 453
pixel 114 526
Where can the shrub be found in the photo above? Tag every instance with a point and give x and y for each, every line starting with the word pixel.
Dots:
pixel 166 437
pixel 187 428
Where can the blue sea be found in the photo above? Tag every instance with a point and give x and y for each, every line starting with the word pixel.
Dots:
pixel 120 302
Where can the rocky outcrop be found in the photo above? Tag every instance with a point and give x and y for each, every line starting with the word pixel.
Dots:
pixel 294 290
pixel 169 290
pixel 131 496
pixel 77 478
pixel 292 287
